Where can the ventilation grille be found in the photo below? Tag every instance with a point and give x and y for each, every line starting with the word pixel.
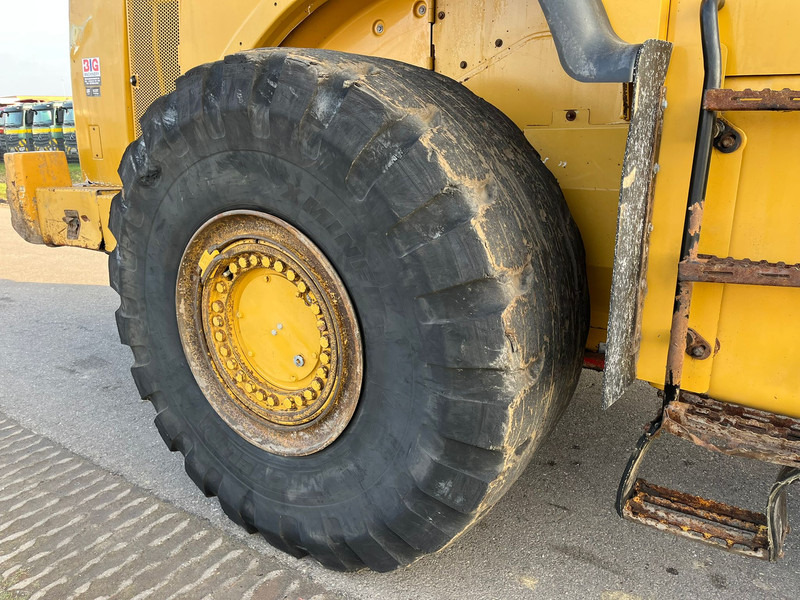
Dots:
pixel 153 38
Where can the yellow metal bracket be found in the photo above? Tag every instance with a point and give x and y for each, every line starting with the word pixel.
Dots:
pixel 47 209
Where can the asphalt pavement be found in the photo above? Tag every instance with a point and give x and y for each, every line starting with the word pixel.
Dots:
pixel 555 535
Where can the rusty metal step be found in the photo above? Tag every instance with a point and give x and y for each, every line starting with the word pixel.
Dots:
pixel 734 430
pixel 734 529
pixel 713 269
pixel 729 429
pixel 728 100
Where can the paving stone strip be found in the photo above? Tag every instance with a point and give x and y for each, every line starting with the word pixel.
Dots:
pixel 70 530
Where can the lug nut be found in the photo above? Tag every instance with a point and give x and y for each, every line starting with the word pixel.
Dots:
pixel 299 361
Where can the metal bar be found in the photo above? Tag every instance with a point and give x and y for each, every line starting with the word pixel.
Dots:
pixel 712 269
pixel 712 58
pixel 634 214
pixel 728 100
pixel 777 517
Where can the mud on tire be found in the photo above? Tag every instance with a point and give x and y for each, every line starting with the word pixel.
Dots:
pixel 455 245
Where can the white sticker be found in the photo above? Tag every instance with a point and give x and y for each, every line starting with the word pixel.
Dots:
pixel 91 75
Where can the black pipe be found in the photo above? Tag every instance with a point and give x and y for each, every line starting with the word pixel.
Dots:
pixel 588 47
pixel 698 184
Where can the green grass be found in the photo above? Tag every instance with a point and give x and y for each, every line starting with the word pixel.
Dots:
pixel 74 173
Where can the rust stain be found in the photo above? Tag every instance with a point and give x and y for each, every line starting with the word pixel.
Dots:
pixel 767 99
pixel 735 430
pixel 713 269
pixel 734 529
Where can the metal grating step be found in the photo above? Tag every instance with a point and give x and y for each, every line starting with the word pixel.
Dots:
pixel 731 528
pixel 728 100
pixel 713 269
pixel 734 430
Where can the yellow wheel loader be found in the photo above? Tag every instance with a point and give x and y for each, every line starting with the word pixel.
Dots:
pixel 363 248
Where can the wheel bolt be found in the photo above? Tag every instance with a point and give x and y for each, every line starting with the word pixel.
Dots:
pixel 299 361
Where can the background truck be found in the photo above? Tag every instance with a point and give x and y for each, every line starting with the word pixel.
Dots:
pixel 42 128
pixel 68 129
pixel 17 132
pixel 359 299
pixel 2 132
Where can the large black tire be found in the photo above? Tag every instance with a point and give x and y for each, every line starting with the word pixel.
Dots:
pixel 458 252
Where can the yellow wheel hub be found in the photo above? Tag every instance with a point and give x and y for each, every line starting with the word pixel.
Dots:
pixel 269 332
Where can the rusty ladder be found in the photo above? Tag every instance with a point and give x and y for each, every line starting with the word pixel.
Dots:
pixel 724 427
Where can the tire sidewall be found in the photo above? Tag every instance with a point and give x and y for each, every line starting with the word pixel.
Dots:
pixel 386 419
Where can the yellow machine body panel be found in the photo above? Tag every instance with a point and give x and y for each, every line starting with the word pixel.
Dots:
pixel 103 121
pixel 504 52
pixel 750 213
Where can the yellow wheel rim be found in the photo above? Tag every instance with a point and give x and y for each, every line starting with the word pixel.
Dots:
pixel 269 332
